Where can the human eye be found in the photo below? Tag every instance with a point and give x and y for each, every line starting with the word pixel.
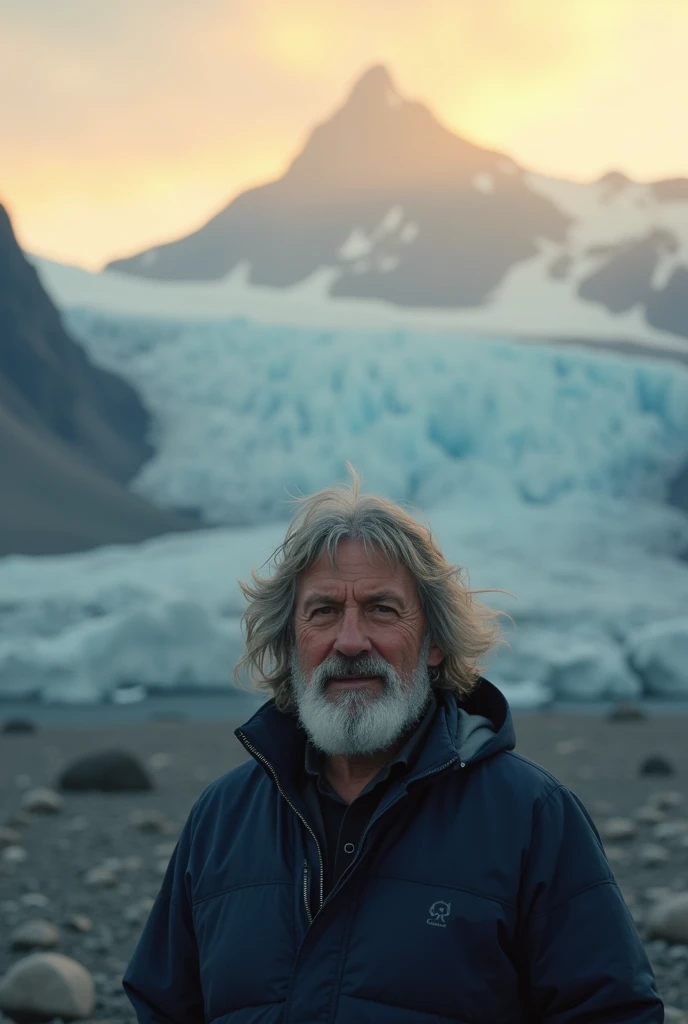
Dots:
pixel 384 609
pixel 322 610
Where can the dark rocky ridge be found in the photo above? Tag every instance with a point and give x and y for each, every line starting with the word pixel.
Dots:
pixel 48 382
pixel 70 433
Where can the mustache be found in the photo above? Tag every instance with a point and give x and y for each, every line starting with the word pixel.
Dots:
pixel 361 665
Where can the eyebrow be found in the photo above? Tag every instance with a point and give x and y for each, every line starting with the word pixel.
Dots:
pixel 380 597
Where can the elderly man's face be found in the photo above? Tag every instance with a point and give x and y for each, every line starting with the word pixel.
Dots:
pixel 360 665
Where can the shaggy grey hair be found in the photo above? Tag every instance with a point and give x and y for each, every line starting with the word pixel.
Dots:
pixel 463 628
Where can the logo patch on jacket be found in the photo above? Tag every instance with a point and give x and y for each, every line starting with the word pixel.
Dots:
pixel 438 912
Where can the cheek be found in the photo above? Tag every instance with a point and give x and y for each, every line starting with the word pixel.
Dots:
pixel 311 647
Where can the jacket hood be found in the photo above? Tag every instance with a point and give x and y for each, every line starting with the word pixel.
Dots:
pixel 465 731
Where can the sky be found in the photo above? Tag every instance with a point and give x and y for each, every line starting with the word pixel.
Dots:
pixel 127 124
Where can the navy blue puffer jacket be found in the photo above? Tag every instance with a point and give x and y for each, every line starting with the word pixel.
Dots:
pixel 480 894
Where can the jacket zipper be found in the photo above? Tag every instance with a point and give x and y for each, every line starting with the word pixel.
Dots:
pixel 264 760
pixel 322 901
pixel 373 820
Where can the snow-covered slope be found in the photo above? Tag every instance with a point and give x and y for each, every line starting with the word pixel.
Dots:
pixel 528 304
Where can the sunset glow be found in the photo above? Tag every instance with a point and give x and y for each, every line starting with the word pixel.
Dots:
pixel 136 123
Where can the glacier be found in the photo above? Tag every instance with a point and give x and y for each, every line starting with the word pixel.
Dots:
pixel 247 414
pixel 541 469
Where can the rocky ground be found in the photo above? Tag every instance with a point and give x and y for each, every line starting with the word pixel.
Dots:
pixel 90 868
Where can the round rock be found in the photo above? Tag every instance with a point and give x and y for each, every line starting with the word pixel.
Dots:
pixel 9 837
pixel 149 821
pixel 18 725
pixel 80 923
pixel 651 855
pixel 668 920
pixel 666 799
pixel 14 855
pixel 42 800
pixel 37 934
pixel 626 711
pixel 45 985
pixel 100 878
pixel 617 828
pixel 656 766
pixel 110 771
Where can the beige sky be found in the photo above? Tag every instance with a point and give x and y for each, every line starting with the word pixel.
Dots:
pixel 128 124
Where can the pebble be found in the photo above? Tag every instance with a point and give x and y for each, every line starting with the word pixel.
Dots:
pixel 79 823
pixel 100 878
pixel 658 893
pixel 651 855
pixel 650 814
pixel 42 801
pixel 79 923
pixel 19 819
pixel 9 837
pixel 164 849
pixel 138 912
pixel 668 919
pixel 670 829
pixel 672 1015
pixel 618 828
pixel 159 761
pixel 36 934
pixel 566 747
pixel 149 821
pixel 666 799
pixel 44 985
pixel 34 899
pixel 14 854
pixel 132 863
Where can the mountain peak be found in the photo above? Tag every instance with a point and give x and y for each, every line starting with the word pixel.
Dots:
pixel 374 86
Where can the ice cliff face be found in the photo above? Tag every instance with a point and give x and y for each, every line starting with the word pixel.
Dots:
pixel 246 414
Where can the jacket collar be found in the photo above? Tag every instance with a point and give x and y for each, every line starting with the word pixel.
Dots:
pixel 275 738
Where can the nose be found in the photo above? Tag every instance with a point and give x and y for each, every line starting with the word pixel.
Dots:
pixel 352 637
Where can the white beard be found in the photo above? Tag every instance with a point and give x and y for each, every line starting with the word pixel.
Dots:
pixel 359 722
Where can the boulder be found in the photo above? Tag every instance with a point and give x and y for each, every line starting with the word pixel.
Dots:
pixel 46 985
pixel 110 771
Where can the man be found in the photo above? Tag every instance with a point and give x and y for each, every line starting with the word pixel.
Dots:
pixel 383 856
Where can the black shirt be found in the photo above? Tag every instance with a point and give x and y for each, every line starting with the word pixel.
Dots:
pixel 339 825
